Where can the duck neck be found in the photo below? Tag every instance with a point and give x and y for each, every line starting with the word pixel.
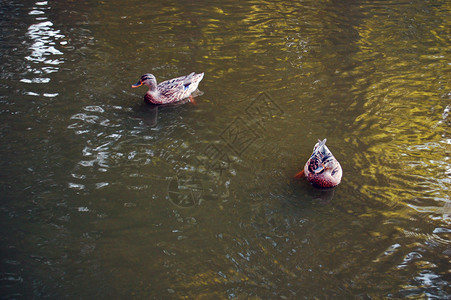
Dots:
pixel 152 86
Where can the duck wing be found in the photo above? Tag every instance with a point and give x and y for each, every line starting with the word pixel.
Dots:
pixel 175 83
pixel 176 89
pixel 320 156
pixel 188 80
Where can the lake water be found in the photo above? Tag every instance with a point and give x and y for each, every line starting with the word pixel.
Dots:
pixel 103 196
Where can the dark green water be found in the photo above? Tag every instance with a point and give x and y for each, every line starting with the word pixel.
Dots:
pixel 105 197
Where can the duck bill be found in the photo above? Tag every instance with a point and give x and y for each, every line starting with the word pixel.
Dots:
pixel 138 84
pixel 299 175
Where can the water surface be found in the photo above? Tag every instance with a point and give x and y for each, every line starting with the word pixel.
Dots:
pixel 104 196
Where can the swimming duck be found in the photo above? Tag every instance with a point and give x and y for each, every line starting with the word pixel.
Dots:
pixel 322 169
pixel 169 91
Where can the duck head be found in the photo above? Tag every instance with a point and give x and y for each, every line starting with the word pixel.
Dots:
pixel 147 79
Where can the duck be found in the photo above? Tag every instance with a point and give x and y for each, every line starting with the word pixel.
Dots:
pixel 170 91
pixel 322 169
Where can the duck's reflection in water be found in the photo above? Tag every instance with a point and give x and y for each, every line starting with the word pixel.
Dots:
pixel 151 111
pixel 323 196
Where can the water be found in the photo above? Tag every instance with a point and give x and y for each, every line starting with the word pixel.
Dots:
pixel 106 197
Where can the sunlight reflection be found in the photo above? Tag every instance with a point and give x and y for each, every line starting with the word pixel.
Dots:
pixel 43 45
pixel 45 36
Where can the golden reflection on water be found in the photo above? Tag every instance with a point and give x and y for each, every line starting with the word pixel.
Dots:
pixel 400 134
pixel 383 99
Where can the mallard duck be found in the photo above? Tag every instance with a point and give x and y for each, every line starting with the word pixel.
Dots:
pixel 169 91
pixel 322 169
